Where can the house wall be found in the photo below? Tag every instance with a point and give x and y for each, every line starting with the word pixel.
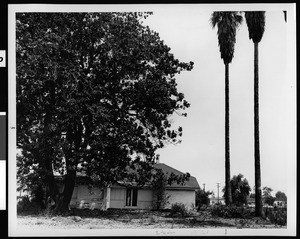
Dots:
pixel 280 203
pixel 84 197
pixel 118 198
pixel 145 199
pixel 180 196
pixel 214 201
pixel 95 198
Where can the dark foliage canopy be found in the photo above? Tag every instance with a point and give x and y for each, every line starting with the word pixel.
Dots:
pixel 94 92
pixel 227 23
pixel 256 25
pixel 240 189
pixel 268 198
pixel 202 197
pixel 280 196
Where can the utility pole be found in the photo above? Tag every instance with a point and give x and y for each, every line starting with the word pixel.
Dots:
pixel 204 187
pixel 218 185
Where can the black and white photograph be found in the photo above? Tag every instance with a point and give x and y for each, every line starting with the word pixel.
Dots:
pixel 152 120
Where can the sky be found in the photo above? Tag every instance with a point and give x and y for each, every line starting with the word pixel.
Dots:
pixel 189 34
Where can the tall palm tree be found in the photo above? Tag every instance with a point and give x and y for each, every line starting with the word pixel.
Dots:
pixel 227 23
pixel 256 27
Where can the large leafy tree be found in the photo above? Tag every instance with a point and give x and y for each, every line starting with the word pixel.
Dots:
pixel 268 198
pixel 256 27
pixel 280 196
pixel 159 183
pixel 227 23
pixel 240 190
pixel 202 198
pixel 94 96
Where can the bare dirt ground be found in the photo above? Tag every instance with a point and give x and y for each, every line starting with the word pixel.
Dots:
pixel 135 219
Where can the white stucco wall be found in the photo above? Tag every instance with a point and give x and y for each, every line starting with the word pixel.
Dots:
pixel 84 197
pixel 95 198
pixel 179 196
pixel 145 199
pixel 118 198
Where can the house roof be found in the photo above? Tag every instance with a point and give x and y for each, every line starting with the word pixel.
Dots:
pixel 190 184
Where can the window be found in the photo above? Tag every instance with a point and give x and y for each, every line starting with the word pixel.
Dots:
pixel 131 197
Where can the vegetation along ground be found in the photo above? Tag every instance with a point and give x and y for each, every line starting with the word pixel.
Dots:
pixel 133 219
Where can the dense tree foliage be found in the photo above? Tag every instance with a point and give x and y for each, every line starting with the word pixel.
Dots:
pixel 159 183
pixel 240 190
pixel 268 198
pixel 280 196
pixel 256 25
pixel 227 23
pixel 94 92
pixel 202 198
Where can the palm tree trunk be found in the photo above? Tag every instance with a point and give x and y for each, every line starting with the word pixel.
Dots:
pixel 228 197
pixel 258 198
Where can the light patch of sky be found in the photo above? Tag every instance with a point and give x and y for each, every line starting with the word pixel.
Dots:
pixel 189 34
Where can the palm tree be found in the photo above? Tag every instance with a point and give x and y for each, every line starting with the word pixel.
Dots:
pixel 256 27
pixel 227 23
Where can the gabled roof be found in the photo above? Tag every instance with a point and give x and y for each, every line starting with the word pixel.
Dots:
pixel 190 184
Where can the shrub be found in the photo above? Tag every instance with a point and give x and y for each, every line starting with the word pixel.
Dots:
pixel 231 212
pixel 202 198
pixel 240 190
pixel 277 215
pixel 160 197
pixel 179 209
pixel 38 196
pixel 28 206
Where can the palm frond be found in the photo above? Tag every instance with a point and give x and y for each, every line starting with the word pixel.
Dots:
pixel 256 25
pixel 215 18
pixel 227 23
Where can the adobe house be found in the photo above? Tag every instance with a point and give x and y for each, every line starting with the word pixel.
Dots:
pixel 126 195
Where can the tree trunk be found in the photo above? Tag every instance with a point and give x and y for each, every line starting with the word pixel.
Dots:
pixel 258 198
pixel 52 187
pixel 68 190
pixel 65 197
pixel 228 197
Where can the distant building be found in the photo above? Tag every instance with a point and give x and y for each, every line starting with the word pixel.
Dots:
pixel 280 203
pixel 215 200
